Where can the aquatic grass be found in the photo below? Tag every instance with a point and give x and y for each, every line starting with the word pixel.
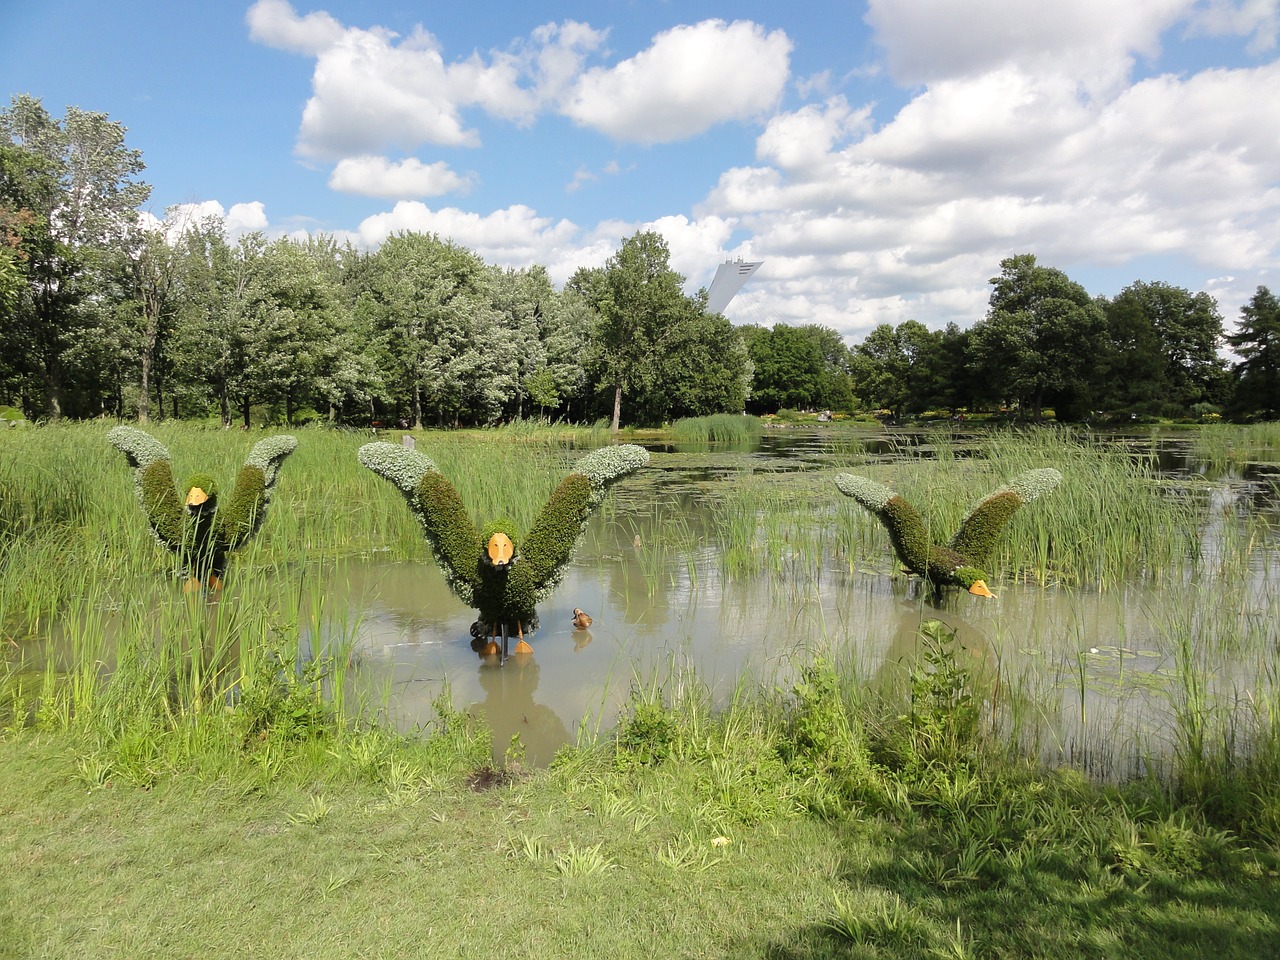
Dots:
pixel 1231 444
pixel 718 428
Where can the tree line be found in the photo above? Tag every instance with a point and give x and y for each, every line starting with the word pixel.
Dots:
pixel 102 314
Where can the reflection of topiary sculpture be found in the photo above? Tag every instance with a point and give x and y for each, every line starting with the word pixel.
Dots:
pixel 501 574
pixel 195 527
pixel 960 562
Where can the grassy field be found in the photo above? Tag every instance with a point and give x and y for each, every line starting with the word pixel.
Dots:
pixel 194 780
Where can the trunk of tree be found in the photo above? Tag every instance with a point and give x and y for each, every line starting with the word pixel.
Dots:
pixel 53 390
pixel 617 407
pixel 224 406
pixel 288 407
pixel 245 407
pixel 144 388
pixel 417 406
pixel 175 404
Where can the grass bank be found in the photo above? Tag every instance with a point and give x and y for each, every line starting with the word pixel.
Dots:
pixel 797 824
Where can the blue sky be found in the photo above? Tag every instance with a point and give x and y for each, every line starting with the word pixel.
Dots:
pixel 880 157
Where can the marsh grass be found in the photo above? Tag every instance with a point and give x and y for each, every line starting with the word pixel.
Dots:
pixel 718 428
pixel 1223 444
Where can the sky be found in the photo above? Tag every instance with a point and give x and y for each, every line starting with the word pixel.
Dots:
pixel 881 158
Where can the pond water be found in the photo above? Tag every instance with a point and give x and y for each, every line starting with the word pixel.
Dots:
pixel 1094 678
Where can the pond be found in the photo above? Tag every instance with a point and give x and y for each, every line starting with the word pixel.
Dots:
pixel 1099 677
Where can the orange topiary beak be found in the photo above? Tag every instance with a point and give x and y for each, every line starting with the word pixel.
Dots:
pixel 980 589
pixel 196 496
pixel 500 549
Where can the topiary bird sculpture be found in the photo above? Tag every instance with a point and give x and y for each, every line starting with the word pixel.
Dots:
pixel 194 525
pixel 960 562
pixel 500 572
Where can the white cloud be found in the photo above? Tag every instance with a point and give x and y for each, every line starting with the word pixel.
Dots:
pixel 909 220
pixel 1257 19
pixel 246 217
pixel 180 218
pixel 1090 41
pixel 372 90
pixel 373 176
pixel 275 23
pixel 514 236
pixel 688 80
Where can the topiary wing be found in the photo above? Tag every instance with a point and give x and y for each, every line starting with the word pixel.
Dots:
pixel 976 538
pixel 560 524
pixel 153 483
pixel 906 529
pixel 452 536
pixel 242 514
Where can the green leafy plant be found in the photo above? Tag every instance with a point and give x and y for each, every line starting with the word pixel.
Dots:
pixel 283 701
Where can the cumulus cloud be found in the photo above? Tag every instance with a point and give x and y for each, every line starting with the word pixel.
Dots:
pixel 514 236
pixel 373 90
pixel 274 23
pixel 909 219
pixel 379 177
pixel 1091 41
pixel 688 80
pixel 181 218
pixel 1257 19
pixel 1019 129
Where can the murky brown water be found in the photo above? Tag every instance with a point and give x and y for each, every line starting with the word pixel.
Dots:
pixel 1091 676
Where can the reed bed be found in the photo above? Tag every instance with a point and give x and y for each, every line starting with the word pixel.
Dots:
pixel 717 428
pixel 1222 444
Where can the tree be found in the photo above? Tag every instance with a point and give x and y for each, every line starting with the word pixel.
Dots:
pixel 1164 351
pixel 152 267
pixel 82 193
pixel 1257 341
pixel 800 368
pixel 639 304
pixel 1040 337
pixel 704 370
pixel 428 301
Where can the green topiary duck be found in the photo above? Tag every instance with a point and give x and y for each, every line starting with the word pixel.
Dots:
pixel 960 562
pixel 496 570
pixel 194 525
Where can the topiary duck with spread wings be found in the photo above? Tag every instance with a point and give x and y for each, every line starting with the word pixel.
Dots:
pixel 502 573
pixel 195 526
pixel 960 562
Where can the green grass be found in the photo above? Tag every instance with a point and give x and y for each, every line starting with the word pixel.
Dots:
pixel 719 427
pixel 778 827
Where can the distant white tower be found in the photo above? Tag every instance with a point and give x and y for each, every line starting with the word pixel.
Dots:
pixel 730 276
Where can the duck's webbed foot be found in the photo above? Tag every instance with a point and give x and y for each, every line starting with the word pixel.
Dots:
pixel 523 645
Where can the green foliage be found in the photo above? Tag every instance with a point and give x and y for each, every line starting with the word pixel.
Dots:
pixel 241 514
pixel 942 724
pixel 450 532
pixel 161 505
pixel 550 541
pixel 508 595
pixel 804 367
pixel 284 702
pixel 1040 337
pixel 720 427
pixel 645 737
pixel 1257 341
pixel 974 542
